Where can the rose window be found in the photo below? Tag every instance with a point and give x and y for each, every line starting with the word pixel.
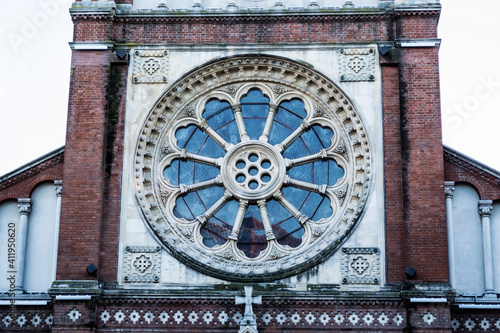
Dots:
pixel 244 177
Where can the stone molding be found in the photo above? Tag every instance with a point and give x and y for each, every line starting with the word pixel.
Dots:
pixel 58 187
pixel 449 189
pixel 485 207
pixel 24 205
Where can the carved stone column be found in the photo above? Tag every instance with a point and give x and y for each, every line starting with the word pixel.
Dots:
pixel 24 205
pixel 58 189
pixel 485 207
pixel 449 189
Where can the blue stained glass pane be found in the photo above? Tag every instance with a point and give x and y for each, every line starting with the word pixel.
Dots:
pixel 181 210
pixel 252 237
pixel 288 118
pixel 172 172
pixel 196 141
pixel 296 149
pixel 310 142
pixel 286 228
pixel 189 172
pixel 302 172
pixel 278 133
pixel 317 207
pixel 319 172
pixel 296 196
pixel 327 172
pixel 196 203
pixel 255 109
pixel 312 204
pixel 220 117
pixel 216 230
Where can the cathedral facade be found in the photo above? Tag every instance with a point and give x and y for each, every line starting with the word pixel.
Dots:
pixel 252 166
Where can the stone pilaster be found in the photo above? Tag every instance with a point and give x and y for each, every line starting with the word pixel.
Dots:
pixel 485 207
pixel 24 205
pixel 449 189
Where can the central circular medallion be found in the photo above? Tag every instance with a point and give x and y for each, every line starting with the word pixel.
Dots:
pixel 253 170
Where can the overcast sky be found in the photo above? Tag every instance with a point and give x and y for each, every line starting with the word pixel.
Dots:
pixel 35 69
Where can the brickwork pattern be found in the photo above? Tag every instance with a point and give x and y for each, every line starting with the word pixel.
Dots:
pixel 273 315
pixel 28 318
pixel 114 160
pixel 475 320
pixel 82 202
pixel 23 184
pixel 393 180
pixel 422 165
pixel 458 170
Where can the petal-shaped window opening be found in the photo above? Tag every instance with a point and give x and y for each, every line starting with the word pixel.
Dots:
pixel 286 228
pixel 319 172
pixel 189 172
pixel 310 142
pixel 252 237
pixel 255 109
pixel 196 203
pixel 311 204
pixel 219 116
pixel 196 141
pixel 216 230
pixel 287 119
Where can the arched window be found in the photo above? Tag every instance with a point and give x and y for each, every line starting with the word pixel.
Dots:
pixel 468 239
pixel 41 243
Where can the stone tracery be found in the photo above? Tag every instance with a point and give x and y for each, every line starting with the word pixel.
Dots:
pixel 253 168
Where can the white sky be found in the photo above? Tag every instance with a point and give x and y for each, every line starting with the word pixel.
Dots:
pixel 35 69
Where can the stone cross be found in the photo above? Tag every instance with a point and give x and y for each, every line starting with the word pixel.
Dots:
pixel 248 323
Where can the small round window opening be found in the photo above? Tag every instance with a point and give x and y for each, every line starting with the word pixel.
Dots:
pixel 252 179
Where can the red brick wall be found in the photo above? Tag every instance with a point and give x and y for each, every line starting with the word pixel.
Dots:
pixel 113 171
pixel 23 184
pixel 394 226
pixel 82 202
pixel 422 165
pixel 413 25
pixel 276 29
pixel 92 30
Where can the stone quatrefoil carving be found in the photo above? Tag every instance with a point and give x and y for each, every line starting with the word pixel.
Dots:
pixel 252 168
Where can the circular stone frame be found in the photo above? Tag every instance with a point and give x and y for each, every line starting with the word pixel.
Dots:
pixel 280 79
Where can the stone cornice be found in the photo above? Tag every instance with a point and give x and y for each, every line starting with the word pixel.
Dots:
pixel 126 13
pixel 32 168
pixel 471 165
pixel 412 11
pixel 94 10
pixel 269 17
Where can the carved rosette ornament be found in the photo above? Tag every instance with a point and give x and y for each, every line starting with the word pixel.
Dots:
pixel 361 266
pixel 357 64
pixel 142 264
pixel 257 184
pixel 150 66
